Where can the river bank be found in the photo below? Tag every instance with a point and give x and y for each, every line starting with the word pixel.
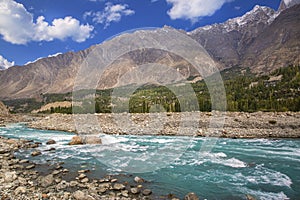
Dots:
pixel 21 179
pixel 236 124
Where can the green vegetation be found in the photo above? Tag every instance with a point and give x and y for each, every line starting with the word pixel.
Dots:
pixel 279 91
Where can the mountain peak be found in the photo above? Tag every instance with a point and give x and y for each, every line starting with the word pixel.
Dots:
pixel 284 4
pixel 259 14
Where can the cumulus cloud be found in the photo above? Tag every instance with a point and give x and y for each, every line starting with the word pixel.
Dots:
pixel 17 26
pixel 194 9
pixel 5 64
pixel 111 13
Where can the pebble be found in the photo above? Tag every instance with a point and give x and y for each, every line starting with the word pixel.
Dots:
pixel 118 186
pixel 146 192
pixel 30 167
pixel 134 190
pixel 81 176
pixel 191 196
pixel 20 190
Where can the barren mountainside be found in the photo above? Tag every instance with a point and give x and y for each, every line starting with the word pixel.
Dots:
pixel 263 40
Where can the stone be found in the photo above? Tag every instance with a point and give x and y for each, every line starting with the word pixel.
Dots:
pixel 92 140
pixel 249 197
pixel 3 151
pixel 118 186
pixel 51 149
pixel 44 196
pixel 73 183
pixel 24 161
pixel 47 180
pixel 81 176
pixel 138 180
pixel 114 180
pixel 20 190
pixel 79 195
pixel 134 190
pixel 62 185
pixel 146 192
pixel 10 176
pixel 85 180
pixel 124 193
pixel 56 172
pixel 76 140
pixel 191 196
pixel 36 153
pixel 51 142
pixel 65 171
pixel 30 166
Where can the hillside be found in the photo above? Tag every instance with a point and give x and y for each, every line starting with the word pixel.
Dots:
pixel 262 40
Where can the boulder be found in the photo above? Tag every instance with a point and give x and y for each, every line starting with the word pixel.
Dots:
pixel 191 196
pixel 76 140
pixel 92 140
pixel 36 153
pixel 51 142
pixel 249 197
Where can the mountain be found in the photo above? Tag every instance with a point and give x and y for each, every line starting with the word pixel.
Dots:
pixel 228 41
pixel 263 40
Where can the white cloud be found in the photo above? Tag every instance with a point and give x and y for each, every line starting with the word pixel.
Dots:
pixel 5 64
pixel 17 26
pixel 111 13
pixel 194 9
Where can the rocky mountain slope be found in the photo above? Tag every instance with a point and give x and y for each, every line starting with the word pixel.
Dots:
pixel 262 39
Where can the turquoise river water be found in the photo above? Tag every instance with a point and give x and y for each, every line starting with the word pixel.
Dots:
pixel 231 168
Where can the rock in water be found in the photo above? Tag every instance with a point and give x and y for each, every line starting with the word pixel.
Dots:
pixel 36 153
pixel 249 197
pixel 134 190
pixel 92 140
pixel 76 140
pixel 51 142
pixel 138 180
pixel 147 192
pixel 191 196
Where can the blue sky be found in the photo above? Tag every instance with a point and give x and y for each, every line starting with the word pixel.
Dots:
pixel 30 29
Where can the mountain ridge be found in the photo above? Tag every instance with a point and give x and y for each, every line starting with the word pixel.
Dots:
pixel 236 42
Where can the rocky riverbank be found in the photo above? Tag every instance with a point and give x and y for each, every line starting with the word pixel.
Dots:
pixel 22 180
pixel 236 124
